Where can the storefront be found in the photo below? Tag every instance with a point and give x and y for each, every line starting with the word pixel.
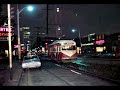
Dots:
pixel 4 39
pixel 100 46
pixel 88 48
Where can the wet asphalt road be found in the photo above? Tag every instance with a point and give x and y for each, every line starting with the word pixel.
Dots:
pixel 52 74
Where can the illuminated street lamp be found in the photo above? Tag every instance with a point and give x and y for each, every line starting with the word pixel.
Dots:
pixel 73 30
pixel 29 8
pixel 58 9
pixel 58 28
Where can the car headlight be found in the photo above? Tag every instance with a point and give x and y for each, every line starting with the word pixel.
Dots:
pixel 23 65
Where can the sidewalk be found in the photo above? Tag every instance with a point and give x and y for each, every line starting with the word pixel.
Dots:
pixel 16 73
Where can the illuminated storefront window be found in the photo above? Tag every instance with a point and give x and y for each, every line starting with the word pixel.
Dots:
pixel 96 37
pixel 118 37
pixel 99 36
pixel 99 49
pixel 102 36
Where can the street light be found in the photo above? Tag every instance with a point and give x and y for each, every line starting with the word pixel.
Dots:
pixel 30 8
pixel 73 30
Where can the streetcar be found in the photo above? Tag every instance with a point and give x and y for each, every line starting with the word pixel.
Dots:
pixel 62 50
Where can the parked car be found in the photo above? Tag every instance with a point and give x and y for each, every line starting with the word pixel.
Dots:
pixel 43 56
pixel 107 55
pixel 32 61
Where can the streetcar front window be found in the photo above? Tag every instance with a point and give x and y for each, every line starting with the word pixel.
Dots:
pixel 69 47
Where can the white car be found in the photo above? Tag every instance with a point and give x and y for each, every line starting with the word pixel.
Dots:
pixel 32 61
pixel 30 53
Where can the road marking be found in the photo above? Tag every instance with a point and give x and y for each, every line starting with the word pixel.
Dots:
pixel 75 72
pixel 58 65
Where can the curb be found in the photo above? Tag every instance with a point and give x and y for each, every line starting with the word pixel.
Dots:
pixel 16 75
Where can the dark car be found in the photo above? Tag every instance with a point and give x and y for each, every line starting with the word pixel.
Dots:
pixel 108 55
pixel 43 56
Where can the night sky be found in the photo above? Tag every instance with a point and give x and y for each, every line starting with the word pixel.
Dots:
pixel 88 18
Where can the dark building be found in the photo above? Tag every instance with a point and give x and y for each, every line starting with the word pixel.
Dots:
pixel 42 41
pixel 4 46
pixel 88 44
pixel 114 43
pixel 108 44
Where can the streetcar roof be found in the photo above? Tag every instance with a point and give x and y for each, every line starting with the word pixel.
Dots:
pixel 61 42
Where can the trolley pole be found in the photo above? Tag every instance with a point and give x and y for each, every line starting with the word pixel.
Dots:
pixel 9 41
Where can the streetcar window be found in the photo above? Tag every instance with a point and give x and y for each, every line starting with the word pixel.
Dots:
pixel 68 48
pixel 59 48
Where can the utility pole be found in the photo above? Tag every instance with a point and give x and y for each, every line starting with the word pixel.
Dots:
pixel 37 38
pixel 9 40
pixel 18 31
pixel 47 18
pixel 80 41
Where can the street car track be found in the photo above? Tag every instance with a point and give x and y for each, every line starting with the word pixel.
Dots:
pixel 74 70
pixel 27 72
pixel 70 84
pixel 78 70
pixel 20 78
pixel 91 74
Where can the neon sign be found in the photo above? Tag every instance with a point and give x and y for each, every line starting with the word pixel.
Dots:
pixel 100 42
pixel 5 29
pixel 4 33
pixel 5 38
pixel 87 44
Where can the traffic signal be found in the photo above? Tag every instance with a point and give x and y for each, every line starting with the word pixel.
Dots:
pixel 12 11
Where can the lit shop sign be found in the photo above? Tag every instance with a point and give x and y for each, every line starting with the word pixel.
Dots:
pixel 87 44
pixel 100 42
pixel 5 29
pixel 4 33
pixel 6 38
